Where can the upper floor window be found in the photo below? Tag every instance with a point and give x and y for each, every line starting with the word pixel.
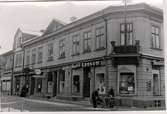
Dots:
pixel 28 57
pixel 33 56
pixel 18 42
pixel 128 31
pixel 75 46
pixel 18 60
pixel 40 55
pixel 87 41
pixel 155 37
pixel 62 48
pixel 50 52
pixel 100 41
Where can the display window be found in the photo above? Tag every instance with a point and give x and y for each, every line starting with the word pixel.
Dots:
pixel 127 83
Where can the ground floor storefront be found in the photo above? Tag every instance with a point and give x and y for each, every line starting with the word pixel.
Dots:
pixel 76 81
pixel 6 83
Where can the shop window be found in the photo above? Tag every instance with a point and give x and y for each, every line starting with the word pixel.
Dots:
pixel 100 83
pixel 127 83
pixel 76 84
pixel 39 84
pixel 17 84
pixel 62 81
pixel 50 82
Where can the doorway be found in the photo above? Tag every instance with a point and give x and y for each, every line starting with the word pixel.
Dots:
pixel 86 82
pixel 156 83
pixel 55 84
pixel 32 86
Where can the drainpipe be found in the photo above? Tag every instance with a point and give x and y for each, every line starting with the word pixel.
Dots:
pixel 125 25
pixel 106 52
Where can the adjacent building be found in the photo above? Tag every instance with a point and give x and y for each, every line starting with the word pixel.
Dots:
pixel 69 61
pixel 6 72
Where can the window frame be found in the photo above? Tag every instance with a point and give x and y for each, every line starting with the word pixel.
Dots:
pixel 154 46
pixel 40 55
pixel 87 39
pixel 61 48
pixel 76 44
pixel 130 33
pixel 100 35
pixel 33 56
pixel 50 51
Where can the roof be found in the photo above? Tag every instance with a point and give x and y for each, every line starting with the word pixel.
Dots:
pixel 157 12
pixel 54 25
pixel 7 53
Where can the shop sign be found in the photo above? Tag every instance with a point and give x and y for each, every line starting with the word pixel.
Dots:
pixel 88 64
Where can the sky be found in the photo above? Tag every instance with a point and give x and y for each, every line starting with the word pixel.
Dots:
pixel 35 16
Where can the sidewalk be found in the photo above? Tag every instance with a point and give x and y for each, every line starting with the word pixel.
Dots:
pixel 88 104
pixel 83 103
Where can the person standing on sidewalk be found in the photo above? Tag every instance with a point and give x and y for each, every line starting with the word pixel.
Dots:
pixel 110 100
pixel 95 95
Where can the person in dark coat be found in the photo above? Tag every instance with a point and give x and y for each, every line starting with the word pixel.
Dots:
pixel 95 96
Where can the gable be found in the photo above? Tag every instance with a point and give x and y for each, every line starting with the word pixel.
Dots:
pixel 53 26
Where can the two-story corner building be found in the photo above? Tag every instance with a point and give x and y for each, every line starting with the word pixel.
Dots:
pixel 6 74
pixel 100 51
pixel 18 74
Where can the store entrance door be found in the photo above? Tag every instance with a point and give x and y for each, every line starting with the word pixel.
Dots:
pixel 55 84
pixel 32 86
pixel 86 82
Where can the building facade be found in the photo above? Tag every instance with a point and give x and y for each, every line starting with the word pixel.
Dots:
pixel 69 61
pixel 6 74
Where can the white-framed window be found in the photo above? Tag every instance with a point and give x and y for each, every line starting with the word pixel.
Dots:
pixel 28 57
pixel 18 42
pixel 62 48
pixel 100 40
pixel 33 56
pixel 50 52
pixel 40 54
pixel 87 41
pixel 155 36
pixel 129 34
pixel 76 44
pixel 18 60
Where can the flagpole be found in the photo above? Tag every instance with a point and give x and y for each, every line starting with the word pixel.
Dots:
pixel 125 25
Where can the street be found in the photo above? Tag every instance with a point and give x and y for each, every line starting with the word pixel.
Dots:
pixel 41 105
pixel 18 104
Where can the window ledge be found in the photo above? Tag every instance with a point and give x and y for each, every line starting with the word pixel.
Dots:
pixel 156 48
pixel 40 62
pixel 86 51
pixel 75 54
pixel 100 49
pixel 61 57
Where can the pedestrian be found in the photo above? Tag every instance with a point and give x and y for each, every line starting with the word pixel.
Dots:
pixel 110 101
pixel 95 96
